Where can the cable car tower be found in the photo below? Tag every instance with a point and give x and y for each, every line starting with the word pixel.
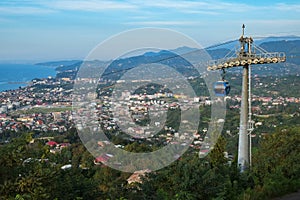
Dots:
pixel 247 55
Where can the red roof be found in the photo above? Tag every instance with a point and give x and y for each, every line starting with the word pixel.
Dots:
pixel 51 143
pixel 204 151
pixel 64 144
pixel 102 158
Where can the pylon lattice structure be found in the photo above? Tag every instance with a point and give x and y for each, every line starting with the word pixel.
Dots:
pixel 247 55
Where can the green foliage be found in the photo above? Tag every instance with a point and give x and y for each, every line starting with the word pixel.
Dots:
pixel 216 156
pixel 276 166
pixel 42 110
pixel 136 147
pixel 194 178
pixel 275 171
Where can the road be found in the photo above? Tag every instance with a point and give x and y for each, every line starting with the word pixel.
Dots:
pixel 292 196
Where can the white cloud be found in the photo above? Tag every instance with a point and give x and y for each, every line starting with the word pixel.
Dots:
pixel 91 5
pixel 203 7
pixel 195 7
pixel 276 22
pixel 288 7
pixel 161 23
pixel 260 28
pixel 5 20
pixel 214 7
pixel 187 6
pixel 25 10
pixel 202 12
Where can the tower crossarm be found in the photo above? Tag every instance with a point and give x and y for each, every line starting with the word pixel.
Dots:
pixel 247 59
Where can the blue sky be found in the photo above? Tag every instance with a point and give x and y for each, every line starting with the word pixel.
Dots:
pixel 40 30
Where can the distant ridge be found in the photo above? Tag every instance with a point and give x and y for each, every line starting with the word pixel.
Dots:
pixel 58 63
pixel 290 45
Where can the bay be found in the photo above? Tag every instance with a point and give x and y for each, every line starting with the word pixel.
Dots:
pixel 13 76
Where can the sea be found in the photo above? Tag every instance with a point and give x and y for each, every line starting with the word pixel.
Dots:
pixel 13 76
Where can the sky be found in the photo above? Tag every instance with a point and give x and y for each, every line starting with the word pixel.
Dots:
pixel 45 30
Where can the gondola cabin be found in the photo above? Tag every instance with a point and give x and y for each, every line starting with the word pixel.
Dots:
pixel 221 88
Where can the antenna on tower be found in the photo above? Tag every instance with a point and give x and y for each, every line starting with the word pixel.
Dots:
pixel 243 27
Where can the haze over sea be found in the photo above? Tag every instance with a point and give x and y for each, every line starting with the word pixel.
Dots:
pixel 13 76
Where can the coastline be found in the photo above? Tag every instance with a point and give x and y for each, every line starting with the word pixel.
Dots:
pixel 21 75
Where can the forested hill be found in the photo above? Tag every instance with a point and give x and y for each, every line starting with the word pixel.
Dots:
pixel 29 171
pixel 290 47
pixel 59 63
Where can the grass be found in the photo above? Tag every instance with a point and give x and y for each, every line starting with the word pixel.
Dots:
pixel 43 110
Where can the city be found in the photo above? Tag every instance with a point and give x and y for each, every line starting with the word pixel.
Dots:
pixel 103 99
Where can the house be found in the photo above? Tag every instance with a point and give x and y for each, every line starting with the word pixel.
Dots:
pixel 51 143
pixel 103 143
pixel 102 159
pixel 55 150
pixel 204 152
pixel 68 166
pixel 137 176
pixel 65 144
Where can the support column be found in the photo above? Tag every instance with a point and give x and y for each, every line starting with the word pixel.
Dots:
pixel 243 150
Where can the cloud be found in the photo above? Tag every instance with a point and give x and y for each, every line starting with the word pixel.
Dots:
pixel 25 10
pixel 193 7
pixel 214 7
pixel 288 7
pixel 161 23
pixel 202 12
pixel 5 20
pixel 276 22
pixel 197 7
pixel 187 6
pixel 92 5
pixel 50 6
pixel 279 27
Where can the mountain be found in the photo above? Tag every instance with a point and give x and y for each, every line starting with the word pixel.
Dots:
pixel 59 63
pixel 232 44
pixel 291 49
pixel 289 45
pixel 276 39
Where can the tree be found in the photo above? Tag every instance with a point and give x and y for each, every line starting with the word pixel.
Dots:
pixel 276 166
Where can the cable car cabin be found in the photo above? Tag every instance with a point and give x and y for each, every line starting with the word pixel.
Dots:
pixel 221 88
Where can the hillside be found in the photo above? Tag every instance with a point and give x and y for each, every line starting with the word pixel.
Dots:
pixel 290 47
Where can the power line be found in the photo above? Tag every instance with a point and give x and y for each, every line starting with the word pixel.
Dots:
pixel 192 52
